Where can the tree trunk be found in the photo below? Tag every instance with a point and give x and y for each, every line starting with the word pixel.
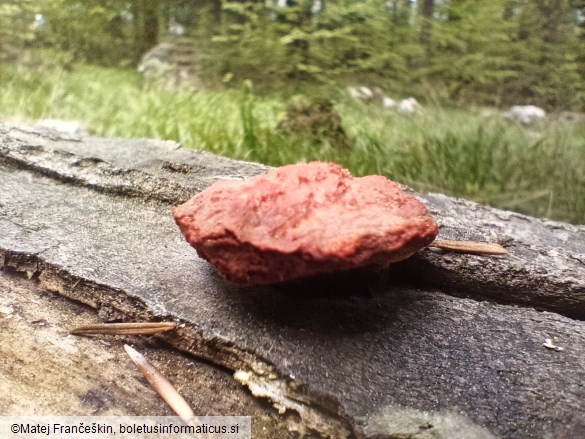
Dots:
pixel 146 24
pixel 427 12
pixel 554 29
pixel 509 7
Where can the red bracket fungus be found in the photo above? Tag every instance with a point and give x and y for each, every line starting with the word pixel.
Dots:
pixel 301 220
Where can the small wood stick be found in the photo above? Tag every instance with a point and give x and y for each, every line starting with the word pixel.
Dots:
pixel 471 247
pixel 136 328
pixel 162 386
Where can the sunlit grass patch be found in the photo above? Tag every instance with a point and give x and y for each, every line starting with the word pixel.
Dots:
pixel 538 170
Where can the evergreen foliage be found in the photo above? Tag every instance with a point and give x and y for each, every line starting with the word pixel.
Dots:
pixel 498 52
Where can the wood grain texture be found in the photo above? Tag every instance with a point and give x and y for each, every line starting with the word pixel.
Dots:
pixel 415 351
pixel 46 371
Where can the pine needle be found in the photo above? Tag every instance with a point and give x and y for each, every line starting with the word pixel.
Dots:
pixel 161 385
pixel 136 328
pixel 470 247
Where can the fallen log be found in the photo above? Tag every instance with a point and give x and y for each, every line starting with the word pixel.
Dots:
pixel 441 345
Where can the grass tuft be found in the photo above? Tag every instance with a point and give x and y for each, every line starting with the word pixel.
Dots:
pixel 538 170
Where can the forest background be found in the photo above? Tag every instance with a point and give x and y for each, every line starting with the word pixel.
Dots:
pixel 262 61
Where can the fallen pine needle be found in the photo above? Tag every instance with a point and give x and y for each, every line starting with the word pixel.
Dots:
pixel 471 247
pixel 138 328
pixel 162 386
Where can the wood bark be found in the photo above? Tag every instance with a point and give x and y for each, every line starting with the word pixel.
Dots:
pixel 46 371
pixel 443 345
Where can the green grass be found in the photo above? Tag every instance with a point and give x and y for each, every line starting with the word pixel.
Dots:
pixel 538 170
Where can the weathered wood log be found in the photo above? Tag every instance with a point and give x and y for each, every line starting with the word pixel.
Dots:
pixel 46 371
pixel 417 351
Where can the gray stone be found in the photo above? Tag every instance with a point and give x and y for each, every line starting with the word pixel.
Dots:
pixel 525 114
pixel 173 63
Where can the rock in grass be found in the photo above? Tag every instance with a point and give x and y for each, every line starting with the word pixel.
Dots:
pixel 301 220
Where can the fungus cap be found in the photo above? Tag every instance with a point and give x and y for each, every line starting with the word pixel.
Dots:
pixel 301 220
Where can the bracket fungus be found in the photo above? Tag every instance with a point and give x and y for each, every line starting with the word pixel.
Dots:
pixel 302 220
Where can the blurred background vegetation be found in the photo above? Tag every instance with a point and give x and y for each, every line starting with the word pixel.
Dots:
pixel 260 63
